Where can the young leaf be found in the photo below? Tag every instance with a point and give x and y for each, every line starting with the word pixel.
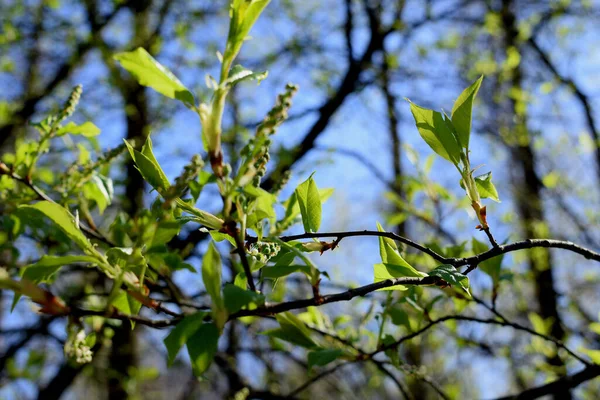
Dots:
pixel 309 201
pixel 323 357
pixel 399 316
pixel 434 130
pixel 151 73
pixel 237 298
pixel 47 266
pixel 87 129
pixel 64 220
pixel 280 271
pixel 220 236
pixel 486 188
pixel 240 74
pixel 491 267
pixel 462 110
pixel 211 274
pixel 452 276
pixel 387 271
pixel 148 167
pixel 295 330
pixel 181 334
pixel 202 346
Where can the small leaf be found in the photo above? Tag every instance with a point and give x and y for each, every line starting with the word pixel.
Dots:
pixel 64 220
pixel 462 110
pixel 237 298
pixel 240 74
pixel 491 267
pixel 47 266
pixel 387 271
pixel 486 188
pixel 436 133
pixel 165 231
pixel 452 276
pixel 309 201
pixel 399 316
pixel 151 73
pixel 181 334
pixel 202 346
pixel 594 355
pixel 292 330
pixel 280 271
pixel 220 236
pixel 148 167
pixel 87 129
pixel 211 274
pixel 323 357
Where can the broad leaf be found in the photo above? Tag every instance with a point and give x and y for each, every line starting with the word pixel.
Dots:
pixel 151 73
pixel 462 110
pixel 64 220
pixel 182 332
pixel 47 266
pixel 87 129
pixel 452 276
pixel 220 236
pixel 280 271
pixel 309 201
pixel 323 357
pixel 486 188
pixel 399 317
pixel 491 267
pixel 387 271
pixel 292 330
pixel 211 274
pixel 434 130
pixel 202 346
pixel 237 298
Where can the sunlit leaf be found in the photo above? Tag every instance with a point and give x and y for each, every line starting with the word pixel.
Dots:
pixel 151 73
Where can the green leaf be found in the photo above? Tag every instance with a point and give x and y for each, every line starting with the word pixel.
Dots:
pixel 280 271
pixel 399 317
pixel 244 14
pixel 387 271
pixel 491 267
pixel 594 355
pixel 182 332
pixel 64 220
pixel 151 73
pixel 292 208
pixel 462 110
pixel 211 274
pixel 323 357
pixel 202 346
pixel 237 298
pixel 99 189
pixel 486 188
pixel 47 266
pixel 309 201
pixel 452 276
pixel 261 207
pixel 165 231
pixel 148 166
pixel 292 330
pixel 87 129
pixel 220 236
pixel 240 74
pixel 436 133
pixel 393 262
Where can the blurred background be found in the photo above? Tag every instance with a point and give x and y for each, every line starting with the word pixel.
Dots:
pixel 536 127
